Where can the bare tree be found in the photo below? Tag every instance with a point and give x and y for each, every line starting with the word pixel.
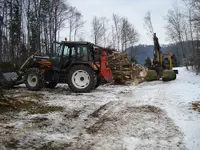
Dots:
pixel 117 26
pixel 189 7
pixel 129 36
pixel 175 28
pixel 78 24
pixel 27 26
pixel 98 30
pixel 193 7
pixel 123 33
pixel 148 25
pixel 73 20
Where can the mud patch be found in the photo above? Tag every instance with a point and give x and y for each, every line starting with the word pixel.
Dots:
pixel 72 114
pixel 19 101
pixel 45 109
pixel 147 125
pixel 12 144
pixel 146 109
pixel 196 106
pixel 97 112
pixel 94 128
pixel 32 107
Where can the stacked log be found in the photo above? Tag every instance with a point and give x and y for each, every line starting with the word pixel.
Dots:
pixel 142 73
pixel 124 71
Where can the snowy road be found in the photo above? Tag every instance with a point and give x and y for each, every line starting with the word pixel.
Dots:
pixel 175 97
pixel 155 115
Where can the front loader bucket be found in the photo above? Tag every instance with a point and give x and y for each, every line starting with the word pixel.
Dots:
pixel 9 79
pixel 3 81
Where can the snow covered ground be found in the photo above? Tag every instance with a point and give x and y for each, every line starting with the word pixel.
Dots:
pixel 175 97
pixel 153 115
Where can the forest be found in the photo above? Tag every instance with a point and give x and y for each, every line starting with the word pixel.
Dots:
pixel 27 26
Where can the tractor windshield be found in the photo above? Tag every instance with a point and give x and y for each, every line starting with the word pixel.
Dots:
pixel 57 49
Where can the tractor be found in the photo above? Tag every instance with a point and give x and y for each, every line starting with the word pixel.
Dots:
pixel 82 65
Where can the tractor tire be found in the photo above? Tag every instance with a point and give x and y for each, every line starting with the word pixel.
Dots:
pixel 34 79
pixel 50 85
pixel 82 79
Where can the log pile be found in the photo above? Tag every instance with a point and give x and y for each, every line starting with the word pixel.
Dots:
pixel 124 71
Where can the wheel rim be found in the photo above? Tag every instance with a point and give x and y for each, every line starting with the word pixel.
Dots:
pixel 80 79
pixel 32 80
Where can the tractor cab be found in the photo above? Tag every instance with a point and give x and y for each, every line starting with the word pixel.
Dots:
pixel 167 61
pixel 67 53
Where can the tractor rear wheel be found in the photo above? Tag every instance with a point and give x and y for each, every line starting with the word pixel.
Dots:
pixel 82 79
pixel 34 79
pixel 50 85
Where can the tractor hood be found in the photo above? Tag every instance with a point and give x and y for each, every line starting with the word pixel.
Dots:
pixel 46 60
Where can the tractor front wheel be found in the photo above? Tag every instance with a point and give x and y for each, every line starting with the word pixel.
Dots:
pixel 82 79
pixel 34 79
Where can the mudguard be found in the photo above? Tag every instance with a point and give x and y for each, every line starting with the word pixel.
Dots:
pixel 105 71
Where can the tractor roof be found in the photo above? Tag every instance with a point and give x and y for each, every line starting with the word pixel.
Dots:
pixel 79 43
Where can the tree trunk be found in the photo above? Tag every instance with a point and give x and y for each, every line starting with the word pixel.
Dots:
pixel 11 33
pixel 1 34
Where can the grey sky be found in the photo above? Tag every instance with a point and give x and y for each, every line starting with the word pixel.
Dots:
pixel 134 10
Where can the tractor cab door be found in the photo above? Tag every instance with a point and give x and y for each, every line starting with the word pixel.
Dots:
pixel 83 52
pixel 67 56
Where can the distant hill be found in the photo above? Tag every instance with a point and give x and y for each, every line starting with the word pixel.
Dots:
pixel 141 52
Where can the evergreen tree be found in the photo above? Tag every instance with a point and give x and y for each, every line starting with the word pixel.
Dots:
pixel 133 59
pixel 148 63
pixel 174 61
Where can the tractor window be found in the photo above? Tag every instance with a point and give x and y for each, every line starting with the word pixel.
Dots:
pixel 73 55
pixel 82 52
pixel 57 49
pixel 66 51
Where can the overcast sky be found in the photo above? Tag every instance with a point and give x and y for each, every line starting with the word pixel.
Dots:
pixel 134 10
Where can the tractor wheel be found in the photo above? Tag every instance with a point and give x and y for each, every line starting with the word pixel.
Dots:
pixel 82 79
pixel 34 79
pixel 50 85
